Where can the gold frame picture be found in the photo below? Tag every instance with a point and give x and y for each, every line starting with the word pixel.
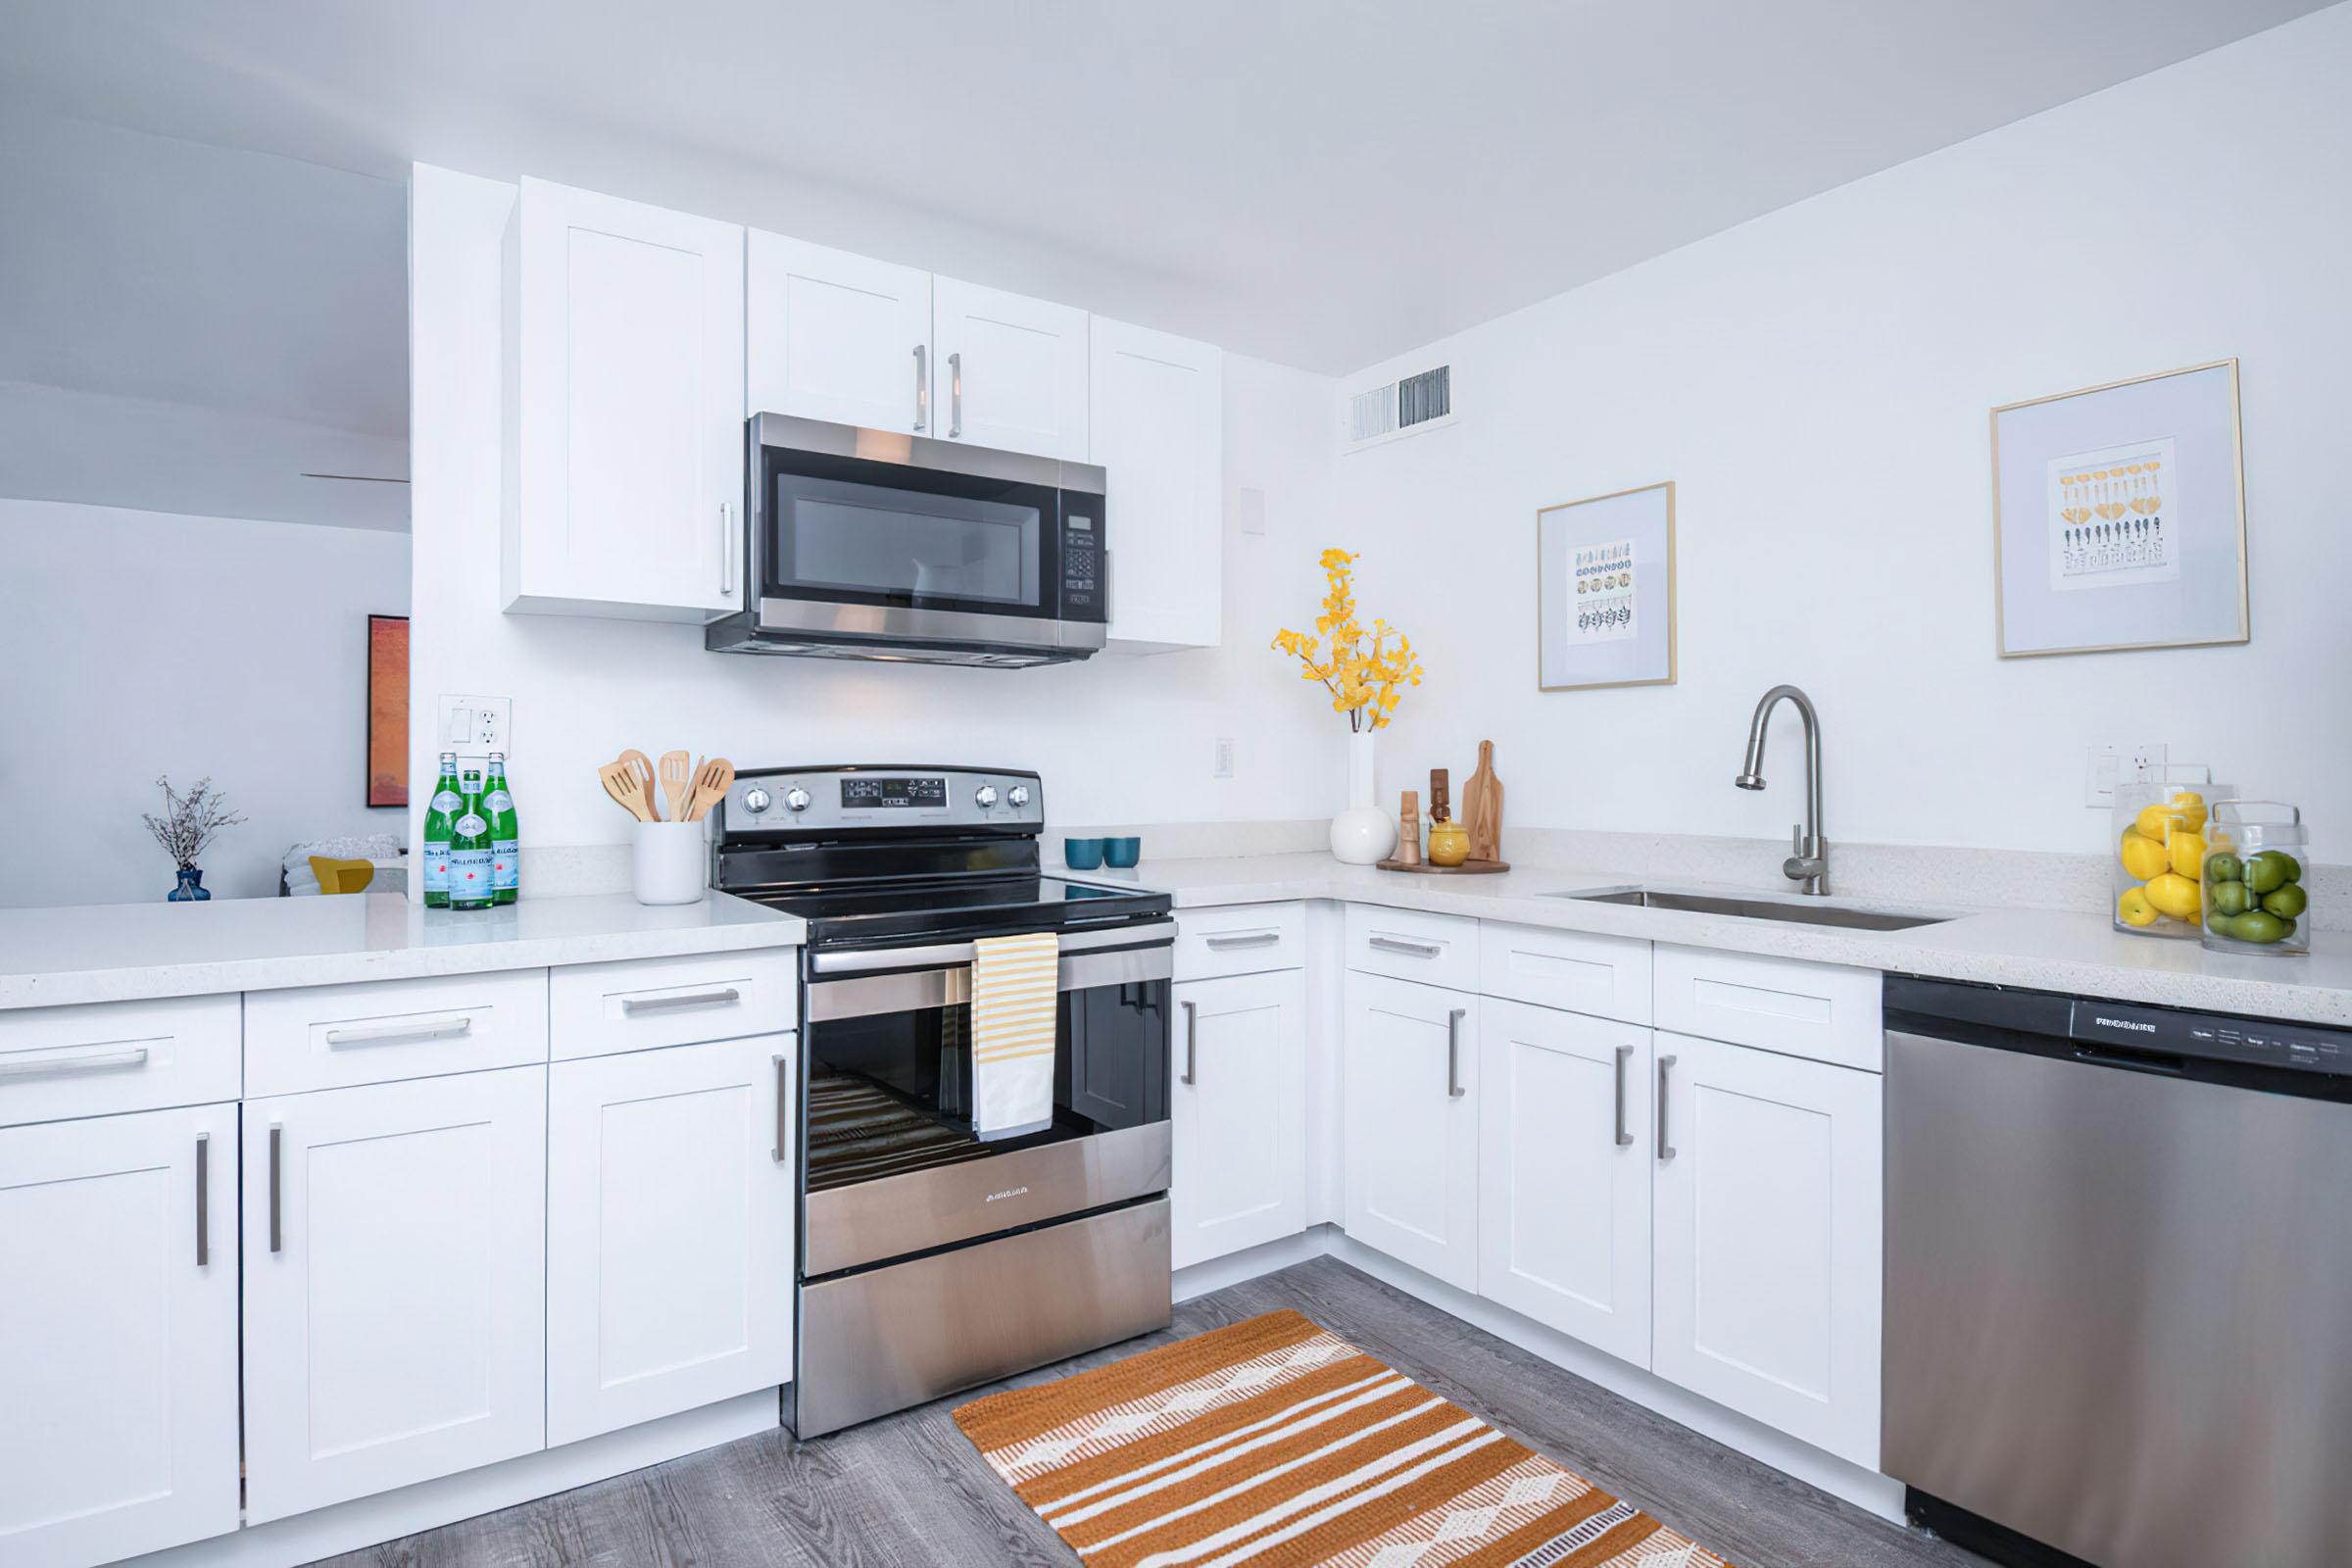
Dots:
pixel 1646 537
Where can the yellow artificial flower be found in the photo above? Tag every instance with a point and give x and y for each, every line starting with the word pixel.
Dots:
pixel 1365 678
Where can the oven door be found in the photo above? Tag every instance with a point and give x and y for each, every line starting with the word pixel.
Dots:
pixel 889 539
pixel 889 1162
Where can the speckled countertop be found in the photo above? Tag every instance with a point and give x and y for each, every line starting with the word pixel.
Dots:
pixel 2042 949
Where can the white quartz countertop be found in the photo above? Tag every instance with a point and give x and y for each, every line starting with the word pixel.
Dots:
pixel 125 951
pixel 2039 950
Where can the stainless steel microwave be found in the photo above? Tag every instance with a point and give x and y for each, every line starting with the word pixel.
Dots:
pixel 875 543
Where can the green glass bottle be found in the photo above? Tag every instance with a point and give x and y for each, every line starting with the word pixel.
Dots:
pixel 505 848
pixel 470 854
pixel 439 815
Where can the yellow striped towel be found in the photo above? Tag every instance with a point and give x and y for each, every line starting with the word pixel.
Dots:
pixel 1015 997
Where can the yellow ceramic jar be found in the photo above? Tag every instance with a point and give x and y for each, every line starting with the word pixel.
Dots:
pixel 1448 844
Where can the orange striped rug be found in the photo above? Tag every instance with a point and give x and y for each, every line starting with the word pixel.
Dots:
pixel 1277 1443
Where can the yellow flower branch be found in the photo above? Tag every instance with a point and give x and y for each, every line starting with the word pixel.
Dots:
pixel 1365 677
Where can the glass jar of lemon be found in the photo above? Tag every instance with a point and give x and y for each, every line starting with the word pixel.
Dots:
pixel 2254 897
pixel 2159 846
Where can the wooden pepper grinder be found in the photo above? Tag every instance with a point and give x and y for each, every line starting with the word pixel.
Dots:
pixel 1482 807
pixel 1448 844
pixel 1409 830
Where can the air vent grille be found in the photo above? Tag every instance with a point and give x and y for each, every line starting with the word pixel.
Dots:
pixel 1401 406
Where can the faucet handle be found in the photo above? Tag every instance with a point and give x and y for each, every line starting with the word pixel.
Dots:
pixel 1796 838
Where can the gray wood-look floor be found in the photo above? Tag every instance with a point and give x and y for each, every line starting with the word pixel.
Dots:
pixel 908 1492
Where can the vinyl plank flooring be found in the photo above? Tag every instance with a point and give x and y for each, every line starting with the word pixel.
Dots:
pixel 908 1492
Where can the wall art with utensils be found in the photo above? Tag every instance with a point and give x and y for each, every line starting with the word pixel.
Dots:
pixel 2119 516
pixel 1604 574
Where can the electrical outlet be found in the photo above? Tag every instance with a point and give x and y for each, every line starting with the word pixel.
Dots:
pixel 476 726
pixel 1224 765
pixel 2113 764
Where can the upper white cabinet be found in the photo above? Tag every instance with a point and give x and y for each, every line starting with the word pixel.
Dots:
pixel 1411 1063
pixel 117 1335
pixel 1009 372
pixel 1157 430
pixel 1238 1110
pixel 836 336
pixel 1768 1247
pixel 625 477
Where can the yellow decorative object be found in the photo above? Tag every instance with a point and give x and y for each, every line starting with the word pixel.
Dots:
pixel 1448 844
pixel 341 876
pixel 2133 907
pixel 2143 856
pixel 1365 673
pixel 2175 894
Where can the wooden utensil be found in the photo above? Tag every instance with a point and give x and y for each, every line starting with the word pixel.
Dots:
pixel 622 783
pixel 1482 807
pixel 677 783
pixel 641 768
pixel 711 781
pixel 1408 829
pixel 1441 806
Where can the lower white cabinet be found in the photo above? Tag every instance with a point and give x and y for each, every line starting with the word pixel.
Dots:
pixel 395 1306
pixel 1239 1113
pixel 1409 1060
pixel 117 1335
pixel 1564 1181
pixel 1766 1272
pixel 670 1231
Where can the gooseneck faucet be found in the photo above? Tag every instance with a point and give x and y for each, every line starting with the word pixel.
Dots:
pixel 1808 863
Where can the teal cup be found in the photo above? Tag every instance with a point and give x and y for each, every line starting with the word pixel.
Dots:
pixel 1083 854
pixel 1122 852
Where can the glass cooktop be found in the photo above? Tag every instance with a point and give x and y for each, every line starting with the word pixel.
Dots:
pixel 955 907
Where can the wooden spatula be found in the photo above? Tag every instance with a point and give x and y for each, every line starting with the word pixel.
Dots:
pixel 711 781
pixel 677 783
pixel 622 783
pixel 641 768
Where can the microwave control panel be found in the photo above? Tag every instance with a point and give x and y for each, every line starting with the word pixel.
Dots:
pixel 1082 565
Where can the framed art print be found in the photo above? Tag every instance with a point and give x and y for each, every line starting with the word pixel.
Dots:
pixel 2120 516
pixel 387 709
pixel 1604 574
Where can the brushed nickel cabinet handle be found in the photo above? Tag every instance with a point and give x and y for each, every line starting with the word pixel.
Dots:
pixel 446 1029
pixel 922 387
pixel 277 1235
pixel 1453 1052
pixel 1253 939
pixel 954 394
pixel 783 1113
pixel 1665 1149
pixel 696 999
pixel 204 1199
pixel 90 1061
pixel 1625 1053
pixel 1415 950
pixel 1191 1042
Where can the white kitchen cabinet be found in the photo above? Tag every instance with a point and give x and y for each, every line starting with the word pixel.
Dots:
pixel 1156 427
pixel 117 1335
pixel 395 1289
pixel 1409 1060
pixel 1766 1258
pixel 832 335
pixel 1239 1113
pixel 670 1231
pixel 1009 372
pixel 625 482
pixel 1564 1179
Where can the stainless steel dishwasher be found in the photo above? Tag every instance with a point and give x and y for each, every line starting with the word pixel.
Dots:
pixel 2119 1279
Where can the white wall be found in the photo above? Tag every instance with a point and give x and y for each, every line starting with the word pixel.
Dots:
pixel 1119 739
pixel 139 643
pixel 1817 382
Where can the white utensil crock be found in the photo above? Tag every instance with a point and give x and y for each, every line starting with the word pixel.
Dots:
pixel 669 862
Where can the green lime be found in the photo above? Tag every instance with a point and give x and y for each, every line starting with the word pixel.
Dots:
pixel 2221 869
pixel 2270 871
pixel 2294 867
pixel 2257 926
pixel 2287 903
pixel 2229 898
pixel 2221 925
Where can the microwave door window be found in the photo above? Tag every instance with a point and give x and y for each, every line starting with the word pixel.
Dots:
pixel 835 539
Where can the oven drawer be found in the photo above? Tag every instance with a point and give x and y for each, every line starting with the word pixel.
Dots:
pixel 600 1009
pixel 1240 939
pixel 101 1058
pixel 1436 950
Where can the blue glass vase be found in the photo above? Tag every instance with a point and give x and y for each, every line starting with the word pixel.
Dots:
pixel 191 889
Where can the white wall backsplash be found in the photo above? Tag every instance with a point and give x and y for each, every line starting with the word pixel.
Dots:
pixel 1117 737
pixel 141 643
pixel 1817 384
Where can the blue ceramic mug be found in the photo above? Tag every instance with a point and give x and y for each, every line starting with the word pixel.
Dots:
pixel 1082 854
pixel 1122 852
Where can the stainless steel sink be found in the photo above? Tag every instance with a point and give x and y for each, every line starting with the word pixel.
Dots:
pixel 1755 909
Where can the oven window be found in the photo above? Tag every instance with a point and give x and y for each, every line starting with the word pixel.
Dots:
pixel 833 534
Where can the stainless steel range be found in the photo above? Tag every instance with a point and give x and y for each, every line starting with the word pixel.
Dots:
pixel 930 1257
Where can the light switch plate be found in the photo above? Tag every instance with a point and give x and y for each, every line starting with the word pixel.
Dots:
pixel 2110 764
pixel 1249 506
pixel 1224 762
pixel 474 726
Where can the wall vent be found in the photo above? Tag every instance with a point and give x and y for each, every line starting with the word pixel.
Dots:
pixel 1405 406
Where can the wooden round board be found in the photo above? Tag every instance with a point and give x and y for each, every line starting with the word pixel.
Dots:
pixel 1466 869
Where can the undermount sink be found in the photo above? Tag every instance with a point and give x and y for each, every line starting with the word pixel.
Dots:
pixel 1755 909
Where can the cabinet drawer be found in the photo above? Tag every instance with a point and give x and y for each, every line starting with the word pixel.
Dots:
pixel 1438 949
pixel 377 1030
pixel 1607 977
pixel 1818 1011
pixel 1240 939
pixel 596 1010
pixel 111 1056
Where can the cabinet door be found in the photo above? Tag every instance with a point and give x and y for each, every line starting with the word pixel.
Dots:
pixel 1410 1062
pixel 1008 371
pixel 629 409
pixel 117 1335
pixel 1156 427
pixel 831 335
pixel 1563 1192
pixel 670 1231
pixel 1767 1238
pixel 1239 1111
pixel 395 1285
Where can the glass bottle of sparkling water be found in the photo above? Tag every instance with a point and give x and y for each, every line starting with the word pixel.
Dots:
pixel 439 815
pixel 469 853
pixel 506 851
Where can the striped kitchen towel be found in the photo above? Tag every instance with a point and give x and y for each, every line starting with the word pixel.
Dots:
pixel 1015 994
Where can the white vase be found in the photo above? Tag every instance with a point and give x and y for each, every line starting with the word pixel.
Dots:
pixel 1363 833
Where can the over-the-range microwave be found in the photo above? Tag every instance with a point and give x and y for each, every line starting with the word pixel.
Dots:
pixel 875 543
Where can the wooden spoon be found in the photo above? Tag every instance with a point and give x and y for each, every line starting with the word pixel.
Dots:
pixel 711 781
pixel 641 768
pixel 677 780
pixel 620 782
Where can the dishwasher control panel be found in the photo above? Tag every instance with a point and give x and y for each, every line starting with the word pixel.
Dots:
pixel 2310 1048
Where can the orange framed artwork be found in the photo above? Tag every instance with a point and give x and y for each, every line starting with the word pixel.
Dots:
pixel 387 709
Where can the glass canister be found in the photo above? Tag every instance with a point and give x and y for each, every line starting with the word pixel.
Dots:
pixel 2254 898
pixel 2158 843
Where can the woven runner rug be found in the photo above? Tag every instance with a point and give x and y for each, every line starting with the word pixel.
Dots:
pixel 1277 1443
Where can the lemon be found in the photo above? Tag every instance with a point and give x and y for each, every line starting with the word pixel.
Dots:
pixel 2190 807
pixel 2175 895
pixel 2158 822
pixel 2134 909
pixel 2187 852
pixel 2143 856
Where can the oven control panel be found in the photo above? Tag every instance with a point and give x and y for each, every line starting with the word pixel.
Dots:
pixel 813 800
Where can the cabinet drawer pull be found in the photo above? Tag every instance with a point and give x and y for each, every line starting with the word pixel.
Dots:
pixel 94 1061
pixel 1665 1149
pixel 1191 1042
pixel 694 999
pixel 1625 1053
pixel 277 1235
pixel 387 1034
pixel 1415 950
pixel 1453 1052
pixel 922 388
pixel 955 395
pixel 783 1112
pixel 204 1199
pixel 1252 939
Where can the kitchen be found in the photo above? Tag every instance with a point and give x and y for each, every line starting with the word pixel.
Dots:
pixel 1827 1194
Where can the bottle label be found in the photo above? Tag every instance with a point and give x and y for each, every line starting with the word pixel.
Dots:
pixel 469 877
pixel 436 866
pixel 500 800
pixel 469 826
pixel 446 802
pixel 506 864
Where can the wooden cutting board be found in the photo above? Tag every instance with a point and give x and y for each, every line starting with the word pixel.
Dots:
pixel 1481 807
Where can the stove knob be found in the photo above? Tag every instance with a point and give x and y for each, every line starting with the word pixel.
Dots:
pixel 756 801
pixel 796 798
pixel 984 797
pixel 1020 795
